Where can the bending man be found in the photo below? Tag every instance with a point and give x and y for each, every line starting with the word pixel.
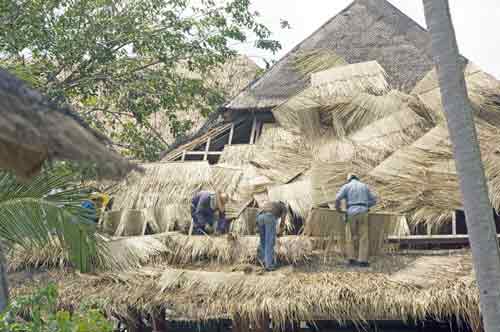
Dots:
pixel 267 222
pixel 203 207
pixel 359 199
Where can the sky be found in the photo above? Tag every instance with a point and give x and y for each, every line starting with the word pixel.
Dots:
pixel 477 25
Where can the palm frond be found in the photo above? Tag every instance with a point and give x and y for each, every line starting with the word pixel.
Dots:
pixel 33 216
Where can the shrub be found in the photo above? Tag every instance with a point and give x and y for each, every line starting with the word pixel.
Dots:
pixel 38 313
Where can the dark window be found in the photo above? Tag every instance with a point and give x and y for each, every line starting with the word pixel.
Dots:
pixel 193 156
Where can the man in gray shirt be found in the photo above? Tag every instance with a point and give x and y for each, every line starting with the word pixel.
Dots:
pixel 359 199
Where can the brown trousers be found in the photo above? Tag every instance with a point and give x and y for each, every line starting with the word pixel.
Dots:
pixel 357 238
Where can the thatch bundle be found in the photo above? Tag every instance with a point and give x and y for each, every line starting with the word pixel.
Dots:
pixel 421 179
pixel 302 113
pixel 162 184
pixel 483 90
pixel 237 155
pixel 345 80
pixel 297 194
pixel 283 163
pixel 341 296
pixel 273 135
pixel 332 161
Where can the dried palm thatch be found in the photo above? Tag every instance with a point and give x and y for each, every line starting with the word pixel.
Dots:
pixel 313 61
pixel 246 223
pixel 274 135
pixel 301 113
pixel 170 217
pixel 483 90
pixel 162 184
pixel 391 132
pixel 237 155
pixel 171 247
pixel 234 250
pixel 341 296
pixel 421 179
pixel 333 160
pixel 120 255
pixel 364 109
pixel 225 178
pixel 344 80
pixel 283 163
pixel 297 194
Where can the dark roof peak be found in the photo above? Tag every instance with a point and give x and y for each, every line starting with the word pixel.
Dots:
pixel 365 30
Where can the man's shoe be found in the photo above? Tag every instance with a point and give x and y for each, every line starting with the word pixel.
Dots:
pixel 363 264
pixel 352 262
pixel 271 268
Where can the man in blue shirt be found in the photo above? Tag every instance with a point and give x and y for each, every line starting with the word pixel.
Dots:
pixel 359 199
pixel 203 207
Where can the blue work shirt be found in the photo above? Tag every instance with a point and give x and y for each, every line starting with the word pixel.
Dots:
pixel 202 210
pixel 358 197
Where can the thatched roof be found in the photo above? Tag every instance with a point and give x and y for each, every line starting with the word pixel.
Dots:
pixel 483 90
pixel 398 287
pixel 367 30
pixel 32 130
pixel 421 178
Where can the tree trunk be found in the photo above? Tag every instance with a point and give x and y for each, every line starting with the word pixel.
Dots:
pixel 459 115
pixel 4 286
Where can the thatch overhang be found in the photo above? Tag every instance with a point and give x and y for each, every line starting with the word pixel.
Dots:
pixel 406 287
pixel 367 30
pixel 33 130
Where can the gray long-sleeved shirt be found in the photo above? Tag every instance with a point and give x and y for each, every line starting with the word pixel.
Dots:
pixel 358 197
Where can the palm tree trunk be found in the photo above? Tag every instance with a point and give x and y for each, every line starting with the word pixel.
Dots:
pixel 459 115
pixel 4 288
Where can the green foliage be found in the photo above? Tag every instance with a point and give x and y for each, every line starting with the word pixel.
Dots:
pixel 120 61
pixel 33 215
pixel 38 313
